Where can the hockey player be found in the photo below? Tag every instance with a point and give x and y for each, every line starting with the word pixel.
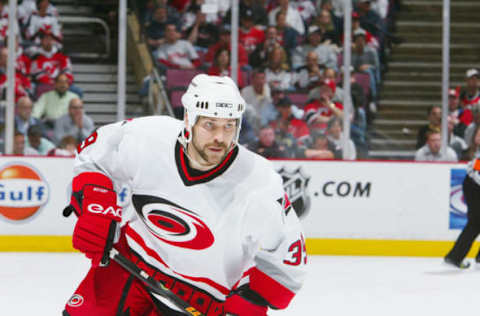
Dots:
pixel 211 221
pixel 471 189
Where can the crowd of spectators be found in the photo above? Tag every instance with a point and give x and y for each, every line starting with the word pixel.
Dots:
pixel 287 50
pixel 463 121
pixel 49 115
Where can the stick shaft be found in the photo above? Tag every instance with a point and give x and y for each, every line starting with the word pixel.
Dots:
pixel 155 286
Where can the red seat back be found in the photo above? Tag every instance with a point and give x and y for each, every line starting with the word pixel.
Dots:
pixel 180 78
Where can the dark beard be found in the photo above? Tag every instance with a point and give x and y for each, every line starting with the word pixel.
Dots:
pixel 205 156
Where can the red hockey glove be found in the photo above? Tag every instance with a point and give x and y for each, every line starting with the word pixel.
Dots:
pixel 98 220
pixel 78 183
pixel 245 303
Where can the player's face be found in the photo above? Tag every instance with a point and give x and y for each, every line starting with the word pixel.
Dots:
pixel 212 139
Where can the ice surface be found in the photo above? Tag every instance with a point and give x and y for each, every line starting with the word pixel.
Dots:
pixel 41 283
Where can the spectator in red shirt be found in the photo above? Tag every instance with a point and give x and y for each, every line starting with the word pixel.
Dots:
pixel 249 36
pixel 462 117
pixel 224 42
pixel 48 63
pixel 22 67
pixel 471 95
pixel 319 112
pixel 288 123
pixel 221 66
pixel 20 90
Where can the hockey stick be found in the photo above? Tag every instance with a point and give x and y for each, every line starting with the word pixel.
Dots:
pixel 157 288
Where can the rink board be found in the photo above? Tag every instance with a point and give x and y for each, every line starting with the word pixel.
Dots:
pixel 352 208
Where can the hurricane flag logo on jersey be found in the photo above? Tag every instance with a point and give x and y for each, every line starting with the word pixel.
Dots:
pixel 75 301
pixel 295 184
pixel 172 223
pixel 23 192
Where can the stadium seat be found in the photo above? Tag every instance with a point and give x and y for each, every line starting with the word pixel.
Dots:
pixel 176 98
pixel 299 99
pixel 179 78
pixel 364 81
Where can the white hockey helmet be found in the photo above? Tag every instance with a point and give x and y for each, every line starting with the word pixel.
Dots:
pixel 213 96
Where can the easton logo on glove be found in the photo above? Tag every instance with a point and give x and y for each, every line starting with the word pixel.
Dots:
pixel 99 209
pixel 97 224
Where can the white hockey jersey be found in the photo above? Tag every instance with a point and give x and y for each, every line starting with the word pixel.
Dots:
pixel 215 230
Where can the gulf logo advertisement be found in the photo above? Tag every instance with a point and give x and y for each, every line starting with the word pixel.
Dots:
pixel 458 208
pixel 23 192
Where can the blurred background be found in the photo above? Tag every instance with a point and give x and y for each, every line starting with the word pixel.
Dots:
pixel 288 60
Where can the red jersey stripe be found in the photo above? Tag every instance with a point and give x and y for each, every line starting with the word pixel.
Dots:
pixel 139 240
pixel 203 176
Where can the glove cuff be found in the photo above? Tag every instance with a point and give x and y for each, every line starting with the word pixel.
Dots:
pixel 94 178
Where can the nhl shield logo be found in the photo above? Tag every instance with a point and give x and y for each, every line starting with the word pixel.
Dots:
pixel 295 184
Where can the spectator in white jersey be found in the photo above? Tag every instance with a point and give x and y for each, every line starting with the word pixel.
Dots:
pixel 175 52
pixel 42 20
pixel 294 19
pixel 27 8
pixel 431 151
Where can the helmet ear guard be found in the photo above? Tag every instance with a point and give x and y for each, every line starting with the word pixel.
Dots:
pixel 212 96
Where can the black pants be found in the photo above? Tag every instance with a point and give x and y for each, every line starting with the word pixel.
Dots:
pixel 471 193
